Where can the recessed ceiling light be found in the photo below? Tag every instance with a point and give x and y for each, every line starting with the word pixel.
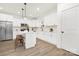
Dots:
pixel 1 8
pixel 37 9
pixel 18 12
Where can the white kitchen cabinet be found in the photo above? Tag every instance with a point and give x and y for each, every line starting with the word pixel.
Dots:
pixel 49 37
pixel 30 39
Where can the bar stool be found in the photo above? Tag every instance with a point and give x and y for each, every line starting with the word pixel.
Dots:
pixel 19 41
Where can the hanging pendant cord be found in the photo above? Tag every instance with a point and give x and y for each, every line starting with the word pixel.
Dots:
pixel 25 8
pixel 22 12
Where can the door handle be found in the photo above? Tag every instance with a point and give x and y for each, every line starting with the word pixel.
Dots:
pixel 62 32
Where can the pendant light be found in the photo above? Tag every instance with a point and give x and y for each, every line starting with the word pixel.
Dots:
pixel 25 8
pixel 22 12
pixel 42 25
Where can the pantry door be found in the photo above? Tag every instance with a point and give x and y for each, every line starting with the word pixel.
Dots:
pixel 70 29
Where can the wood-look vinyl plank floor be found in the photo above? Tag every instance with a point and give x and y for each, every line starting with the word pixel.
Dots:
pixel 42 48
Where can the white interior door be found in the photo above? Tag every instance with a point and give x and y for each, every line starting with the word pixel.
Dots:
pixel 70 29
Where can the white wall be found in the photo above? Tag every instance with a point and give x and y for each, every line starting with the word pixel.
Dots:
pixel 35 23
pixel 5 17
pixel 51 19
pixel 65 6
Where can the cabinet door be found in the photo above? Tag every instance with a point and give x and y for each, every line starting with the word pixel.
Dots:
pixel 9 30
pixel 2 30
pixel 70 29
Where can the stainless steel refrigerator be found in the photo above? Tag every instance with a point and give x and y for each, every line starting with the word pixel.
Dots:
pixel 6 30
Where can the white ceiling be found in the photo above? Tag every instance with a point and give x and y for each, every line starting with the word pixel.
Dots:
pixel 32 9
